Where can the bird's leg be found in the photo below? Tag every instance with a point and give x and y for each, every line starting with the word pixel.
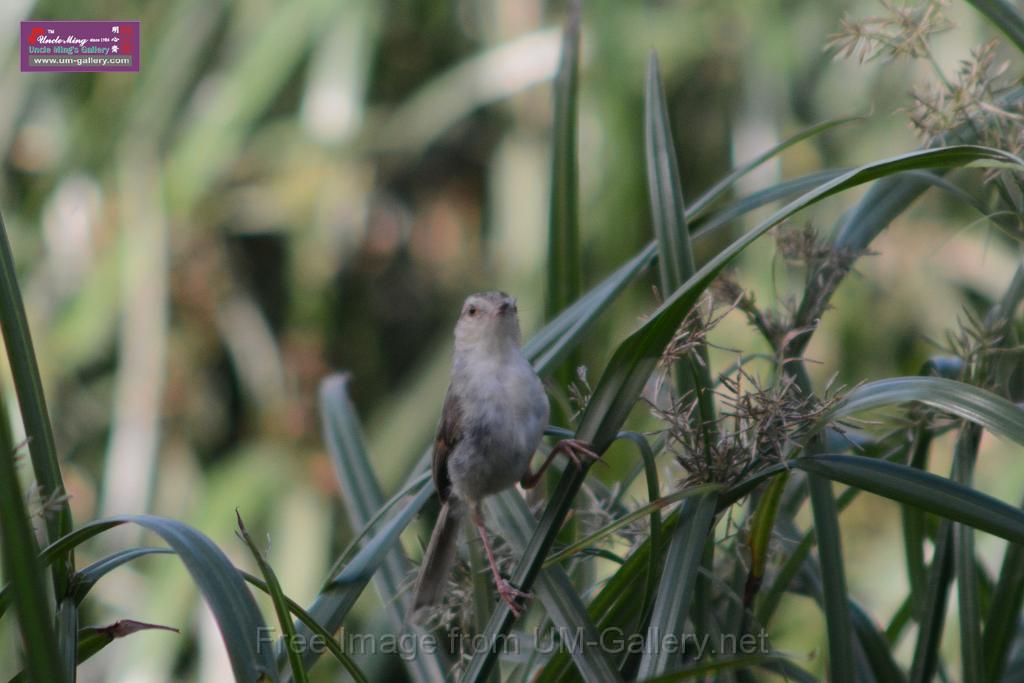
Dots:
pixel 506 590
pixel 575 450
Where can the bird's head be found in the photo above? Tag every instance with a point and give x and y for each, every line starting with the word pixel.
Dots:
pixel 489 320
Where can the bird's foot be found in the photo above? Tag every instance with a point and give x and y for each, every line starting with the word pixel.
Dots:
pixel 577 452
pixel 510 594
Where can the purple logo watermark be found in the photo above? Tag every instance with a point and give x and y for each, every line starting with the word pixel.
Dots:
pixel 80 46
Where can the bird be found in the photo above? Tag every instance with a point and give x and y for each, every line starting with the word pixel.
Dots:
pixel 493 420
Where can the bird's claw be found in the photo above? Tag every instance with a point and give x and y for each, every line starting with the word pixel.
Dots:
pixel 510 594
pixel 577 452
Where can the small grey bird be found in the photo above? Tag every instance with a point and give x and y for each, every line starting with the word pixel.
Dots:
pixel 493 419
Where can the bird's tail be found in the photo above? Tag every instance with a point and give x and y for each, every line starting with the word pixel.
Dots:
pixel 439 557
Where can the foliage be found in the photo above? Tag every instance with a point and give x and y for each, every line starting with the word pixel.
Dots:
pixel 737 463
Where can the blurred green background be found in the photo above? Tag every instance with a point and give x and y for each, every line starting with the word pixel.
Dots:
pixel 291 188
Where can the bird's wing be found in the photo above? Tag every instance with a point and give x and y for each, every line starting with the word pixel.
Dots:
pixel 449 432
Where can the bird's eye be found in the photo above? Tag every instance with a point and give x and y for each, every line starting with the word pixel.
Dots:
pixel 471 311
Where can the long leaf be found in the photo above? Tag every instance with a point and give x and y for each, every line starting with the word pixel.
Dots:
pixel 233 607
pixel 675 591
pixel 876 648
pixel 631 364
pixel 22 569
pixel 926 651
pixel 967 579
pixel 563 232
pixel 642 511
pixel 833 580
pixel 1004 613
pixel 314 627
pixel 993 412
pixel 1006 18
pixel 550 345
pixel 717 190
pixel 668 212
pixel 279 600
pixel 362 498
pixel 556 593
pixel 675 254
pixel 87 577
pixel 927 491
pixel 32 403
pixel 635 358
pixel 333 604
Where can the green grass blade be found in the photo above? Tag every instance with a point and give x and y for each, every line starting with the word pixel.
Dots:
pixel 760 535
pixel 632 363
pixel 279 601
pixel 87 577
pixel 22 568
pixel 993 412
pixel 364 565
pixel 668 212
pixel 722 186
pixel 554 590
pixel 620 604
pixel 1001 618
pixel 32 403
pixel 564 278
pixel 786 189
pixel 875 646
pixel 555 341
pixel 233 607
pixel 914 524
pixel 332 605
pixel 927 491
pixel 642 511
pixel 675 591
pixel 238 618
pixel 635 358
pixel 792 566
pixel 67 636
pixel 362 498
pixel 972 659
pixel 833 580
pixel 549 346
pixel 930 622
pixel 352 549
pixel 1006 18
pixel 650 468
pixel 965 569
pixel 880 206
pixel 314 627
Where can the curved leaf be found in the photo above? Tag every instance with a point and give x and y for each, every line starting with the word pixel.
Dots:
pixel 233 607
pixel 993 412
pixel 32 404
pixel 632 363
pixel 925 490
pixel 86 578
